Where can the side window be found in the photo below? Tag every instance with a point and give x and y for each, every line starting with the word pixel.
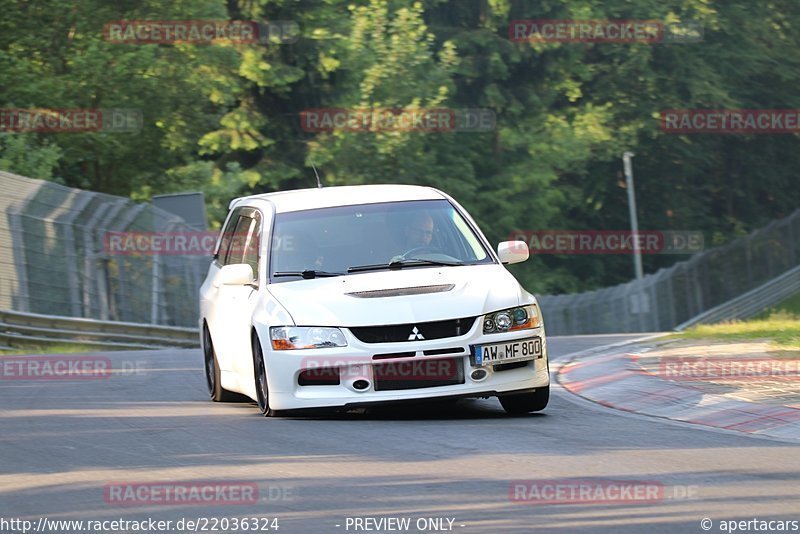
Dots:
pixel 245 242
pixel 236 250
pixel 253 244
pixel 227 236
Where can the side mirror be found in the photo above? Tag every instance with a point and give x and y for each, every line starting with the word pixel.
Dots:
pixel 240 274
pixel 512 251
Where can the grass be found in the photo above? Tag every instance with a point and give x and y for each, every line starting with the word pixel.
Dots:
pixel 790 306
pixel 781 328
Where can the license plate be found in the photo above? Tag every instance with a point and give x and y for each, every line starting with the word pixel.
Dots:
pixel 512 351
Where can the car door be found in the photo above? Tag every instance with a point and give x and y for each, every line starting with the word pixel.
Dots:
pixel 234 304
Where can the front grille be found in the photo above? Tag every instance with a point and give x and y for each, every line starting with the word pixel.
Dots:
pixel 418 374
pixel 405 332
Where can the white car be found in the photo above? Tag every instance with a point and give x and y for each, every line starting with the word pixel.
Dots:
pixel 345 297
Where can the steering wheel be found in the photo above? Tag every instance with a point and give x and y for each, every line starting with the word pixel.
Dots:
pixel 426 248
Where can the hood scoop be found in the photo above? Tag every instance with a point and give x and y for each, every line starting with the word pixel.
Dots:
pixel 401 291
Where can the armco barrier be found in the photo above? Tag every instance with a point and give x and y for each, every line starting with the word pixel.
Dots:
pixel 33 327
pixel 752 302
pixel 733 281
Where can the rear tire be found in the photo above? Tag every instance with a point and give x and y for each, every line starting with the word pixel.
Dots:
pixel 526 402
pixel 260 373
pixel 215 389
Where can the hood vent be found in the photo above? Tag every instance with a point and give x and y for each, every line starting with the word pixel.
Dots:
pixel 401 291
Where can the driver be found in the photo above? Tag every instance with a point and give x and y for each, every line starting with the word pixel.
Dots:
pixel 419 231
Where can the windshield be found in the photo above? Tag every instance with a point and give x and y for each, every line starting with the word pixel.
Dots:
pixel 333 240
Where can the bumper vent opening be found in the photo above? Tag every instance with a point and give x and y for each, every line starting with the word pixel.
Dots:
pixel 509 366
pixel 439 352
pixel 418 374
pixel 391 355
pixel 322 376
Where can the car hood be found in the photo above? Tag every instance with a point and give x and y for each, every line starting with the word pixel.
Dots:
pixel 383 297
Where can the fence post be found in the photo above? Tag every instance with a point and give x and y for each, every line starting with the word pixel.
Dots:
pixel 105 296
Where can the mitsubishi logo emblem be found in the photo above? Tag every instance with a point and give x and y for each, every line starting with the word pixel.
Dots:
pixel 415 335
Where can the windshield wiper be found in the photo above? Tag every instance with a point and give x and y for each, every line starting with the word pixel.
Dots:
pixel 399 264
pixel 308 274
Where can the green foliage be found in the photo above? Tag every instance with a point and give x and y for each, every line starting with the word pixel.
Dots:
pixel 54 56
pixel 225 118
pixel 28 156
pixel 790 306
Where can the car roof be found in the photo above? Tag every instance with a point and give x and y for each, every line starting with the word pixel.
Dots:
pixel 348 195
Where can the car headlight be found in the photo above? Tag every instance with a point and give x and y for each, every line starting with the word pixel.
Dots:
pixel 305 337
pixel 512 319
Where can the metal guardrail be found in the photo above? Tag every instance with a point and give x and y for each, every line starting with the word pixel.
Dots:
pixel 751 303
pixel 686 290
pixel 51 329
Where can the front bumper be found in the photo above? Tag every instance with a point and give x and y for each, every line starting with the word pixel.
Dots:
pixel 357 362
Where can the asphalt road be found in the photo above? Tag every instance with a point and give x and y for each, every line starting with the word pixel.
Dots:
pixel 102 449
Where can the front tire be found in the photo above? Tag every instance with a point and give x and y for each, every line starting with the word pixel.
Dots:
pixel 260 373
pixel 215 389
pixel 526 402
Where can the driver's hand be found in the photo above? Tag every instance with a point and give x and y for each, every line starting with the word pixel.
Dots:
pixel 397 258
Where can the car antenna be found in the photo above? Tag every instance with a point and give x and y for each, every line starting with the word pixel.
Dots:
pixel 319 184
